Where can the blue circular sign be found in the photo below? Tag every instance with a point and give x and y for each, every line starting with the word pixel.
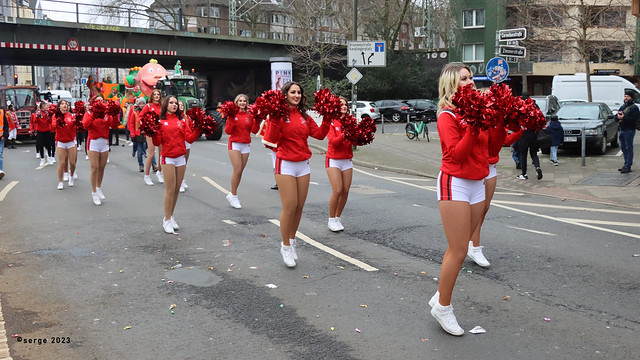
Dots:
pixel 497 69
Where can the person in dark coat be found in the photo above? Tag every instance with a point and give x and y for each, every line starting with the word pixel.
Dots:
pixel 555 131
pixel 628 115
pixel 528 141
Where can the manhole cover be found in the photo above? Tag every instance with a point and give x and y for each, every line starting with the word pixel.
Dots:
pixel 610 179
pixel 195 276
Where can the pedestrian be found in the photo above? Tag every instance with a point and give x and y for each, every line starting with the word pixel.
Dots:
pixel 528 142
pixel 2 130
pixel 556 133
pixel 98 128
pixel 42 128
pixel 65 126
pixel 137 137
pixel 289 136
pixel 154 104
pixel 628 122
pixel 460 189
pixel 14 125
pixel 239 130
pixel 183 111
pixel 339 167
pixel 171 136
pixel 515 154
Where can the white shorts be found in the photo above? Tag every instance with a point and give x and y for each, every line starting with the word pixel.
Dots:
pixel 492 171
pixel 242 147
pixel 273 158
pixel 176 161
pixel 457 189
pixel 13 134
pixel 66 145
pixel 294 168
pixel 99 145
pixel 187 145
pixel 341 164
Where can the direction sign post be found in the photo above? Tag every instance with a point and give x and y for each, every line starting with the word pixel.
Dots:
pixel 513 51
pixel 366 53
pixel 512 34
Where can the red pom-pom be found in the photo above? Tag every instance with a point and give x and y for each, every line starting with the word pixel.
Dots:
pixel 202 121
pixel 113 108
pixel 98 109
pixel 51 111
pixel 470 106
pixel 358 133
pixel 532 118
pixel 272 104
pixel 229 109
pixel 150 123
pixel 79 110
pixel 327 104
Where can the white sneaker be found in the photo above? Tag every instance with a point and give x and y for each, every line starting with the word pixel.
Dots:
pixel 168 228
pixel 184 184
pixel 294 244
pixel 100 194
pixel 65 176
pixel 339 223
pixel 444 315
pixel 234 201
pixel 86 157
pixel 108 160
pixel 147 180
pixel 42 162
pixel 71 181
pixel 287 255
pixel 182 188
pixel 160 177
pixel 60 186
pixel 434 299
pixel 96 199
pixel 50 160
pixel 174 223
pixel 75 175
pixel 333 225
pixel 475 253
pixel 53 159
pixel 37 155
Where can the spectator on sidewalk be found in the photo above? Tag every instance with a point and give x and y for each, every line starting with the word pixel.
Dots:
pixel 627 121
pixel 555 131
pixel 529 142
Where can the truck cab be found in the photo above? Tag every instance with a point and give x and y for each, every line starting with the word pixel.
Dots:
pixel 24 100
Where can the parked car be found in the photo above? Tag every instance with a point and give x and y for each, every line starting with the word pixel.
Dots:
pixel 597 120
pixel 366 108
pixel 425 109
pixel 395 110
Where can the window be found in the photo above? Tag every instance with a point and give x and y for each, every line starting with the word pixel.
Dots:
pixel 610 18
pixel 245 33
pixel 277 19
pixel 214 12
pixel 545 51
pixel 261 34
pixel 547 16
pixel 473 18
pixel 606 53
pixel 276 36
pixel 472 52
pixel 214 30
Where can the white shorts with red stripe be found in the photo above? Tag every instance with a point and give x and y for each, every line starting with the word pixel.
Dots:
pixel 294 168
pixel 341 164
pixel 458 189
pixel 242 147
pixel 492 171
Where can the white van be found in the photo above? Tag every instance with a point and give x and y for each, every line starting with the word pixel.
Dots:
pixel 57 95
pixel 608 89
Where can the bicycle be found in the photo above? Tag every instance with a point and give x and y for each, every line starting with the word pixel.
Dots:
pixel 414 129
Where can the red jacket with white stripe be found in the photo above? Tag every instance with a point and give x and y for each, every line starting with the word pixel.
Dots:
pixel 240 128
pixel 40 121
pixel 291 135
pixel 338 147
pixel 99 127
pixel 465 152
pixel 66 133
pixel 172 135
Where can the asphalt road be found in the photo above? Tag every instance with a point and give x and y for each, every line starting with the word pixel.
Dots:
pixel 104 280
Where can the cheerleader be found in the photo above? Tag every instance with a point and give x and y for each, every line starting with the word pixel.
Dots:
pixel 154 104
pixel 239 130
pixel 98 138
pixel 460 189
pixel 339 169
pixel 289 136
pixel 65 142
pixel 181 106
pixel 174 131
pixel 42 127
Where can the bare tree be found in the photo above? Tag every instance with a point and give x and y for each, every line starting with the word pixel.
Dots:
pixel 170 14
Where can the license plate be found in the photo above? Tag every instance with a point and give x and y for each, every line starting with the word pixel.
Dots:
pixel 570 139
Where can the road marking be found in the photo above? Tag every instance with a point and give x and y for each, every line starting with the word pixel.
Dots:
pixel 604 222
pixel 230 222
pixel 549 206
pixel 533 231
pixel 215 185
pixel 431 188
pixel 329 250
pixel 7 188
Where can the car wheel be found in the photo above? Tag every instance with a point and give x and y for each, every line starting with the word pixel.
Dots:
pixel 602 146
pixel 395 117
pixel 614 142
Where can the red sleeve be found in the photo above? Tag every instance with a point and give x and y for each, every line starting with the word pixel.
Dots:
pixel 32 121
pixel 272 133
pixel 157 138
pixel 228 126
pixel 457 145
pixel 87 120
pixel 255 127
pixel 115 122
pixel 513 137
pixel 496 140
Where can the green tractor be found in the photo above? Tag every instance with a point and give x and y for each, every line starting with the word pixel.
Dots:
pixel 188 90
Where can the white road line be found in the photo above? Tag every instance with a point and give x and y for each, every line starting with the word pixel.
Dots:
pixel 432 188
pixel 533 231
pixel 215 185
pixel 548 206
pixel 329 250
pixel 7 188
pixel 230 222
pixel 604 222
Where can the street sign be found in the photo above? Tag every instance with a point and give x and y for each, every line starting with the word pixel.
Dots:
pixel 513 51
pixel 366 53
pixel 354 76
pixel 512 34
pixel 511 59
pixel 497 69
pixel 513 43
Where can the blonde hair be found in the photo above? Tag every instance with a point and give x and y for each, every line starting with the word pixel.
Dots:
pixel 448 83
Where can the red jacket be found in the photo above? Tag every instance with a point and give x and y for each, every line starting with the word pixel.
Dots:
pixel 40 121
pixel 151 107
pixel 99 127
pixel 465 154
pixel 338 147
pixel 133 121
pixel 66 133
pixel 12 120
pixel 291 135
pixel 240 128
pixel 172 135
pixel 499 135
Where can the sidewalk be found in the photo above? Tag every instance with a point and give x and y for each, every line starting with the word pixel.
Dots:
pixel 597 181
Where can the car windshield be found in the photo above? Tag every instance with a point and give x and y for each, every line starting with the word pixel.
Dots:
pixel 579 112
pixel 542 104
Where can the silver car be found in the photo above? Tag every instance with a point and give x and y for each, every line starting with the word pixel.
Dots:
pixel 366 108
